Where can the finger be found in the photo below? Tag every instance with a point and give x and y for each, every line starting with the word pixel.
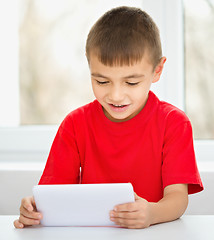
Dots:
pixel 27 203
pixel 125 215
pixel 28 221
pixel 126 207
pixel 136 226
pixel 17 224
pixel 130 223
pixel 125 222
pixel 32 215
pixel 34 204
pixel 128 226
pixel 136 197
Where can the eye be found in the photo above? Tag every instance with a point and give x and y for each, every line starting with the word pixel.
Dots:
pixel 101 83
pixel 132 83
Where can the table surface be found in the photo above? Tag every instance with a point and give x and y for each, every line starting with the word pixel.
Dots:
pixel 194 227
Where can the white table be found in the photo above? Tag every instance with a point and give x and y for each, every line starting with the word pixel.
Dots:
pixel 187 228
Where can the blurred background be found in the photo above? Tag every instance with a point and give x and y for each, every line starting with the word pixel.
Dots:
pixel 53 72
pixel 199 66
pixel 51 75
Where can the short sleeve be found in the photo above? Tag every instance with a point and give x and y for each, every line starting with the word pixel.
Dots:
pixel 63 163
pixel 179 162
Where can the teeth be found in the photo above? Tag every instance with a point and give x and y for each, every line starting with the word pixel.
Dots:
pixel 117 105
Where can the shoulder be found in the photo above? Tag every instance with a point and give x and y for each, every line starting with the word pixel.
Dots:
pixel 78 116
pixel 176 124
pixel 171 114
pixel 81 111
pixel 168 116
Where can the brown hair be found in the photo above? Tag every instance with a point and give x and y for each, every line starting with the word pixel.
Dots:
pixel 122 35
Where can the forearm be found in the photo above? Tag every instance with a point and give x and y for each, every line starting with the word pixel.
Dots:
pixel 170 207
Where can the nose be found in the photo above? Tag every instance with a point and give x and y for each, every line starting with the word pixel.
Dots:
pixel 116 94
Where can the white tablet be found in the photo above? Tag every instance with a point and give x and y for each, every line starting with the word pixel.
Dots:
pixel 80 204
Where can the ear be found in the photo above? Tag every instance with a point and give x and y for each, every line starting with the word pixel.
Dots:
pixel 158 69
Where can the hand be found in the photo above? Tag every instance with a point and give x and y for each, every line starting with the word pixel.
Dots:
pixel 132 215
pixel 28 213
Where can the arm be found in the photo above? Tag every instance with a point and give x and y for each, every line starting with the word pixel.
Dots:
pixel 142 214
pixel 172 205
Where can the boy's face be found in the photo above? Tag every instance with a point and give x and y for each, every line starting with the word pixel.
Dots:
pixel 123 90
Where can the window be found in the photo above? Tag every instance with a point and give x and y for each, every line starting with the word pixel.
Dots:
pixel 36 96
pixel 199 62
pixel 9 99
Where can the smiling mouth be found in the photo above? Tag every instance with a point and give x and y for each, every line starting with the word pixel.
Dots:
pixel 118 108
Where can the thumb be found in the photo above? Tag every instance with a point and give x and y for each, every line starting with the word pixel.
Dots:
pixel 33 203
pixel 136 196
pixel 28 203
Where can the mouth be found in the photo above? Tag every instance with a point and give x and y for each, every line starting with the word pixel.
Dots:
pixel 119 108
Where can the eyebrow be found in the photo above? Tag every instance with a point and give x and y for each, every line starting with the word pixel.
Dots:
pixel 99 75
pixel 125 77
pixel 134 76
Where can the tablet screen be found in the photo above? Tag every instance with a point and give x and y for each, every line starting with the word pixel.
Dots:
pixel 80 204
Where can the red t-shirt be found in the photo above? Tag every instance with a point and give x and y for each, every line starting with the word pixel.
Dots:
pixel 152 150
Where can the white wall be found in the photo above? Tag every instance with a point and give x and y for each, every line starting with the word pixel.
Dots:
pixel 17 182
pixel 202 203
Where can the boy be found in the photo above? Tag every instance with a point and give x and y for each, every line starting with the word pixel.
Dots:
pixel 127 134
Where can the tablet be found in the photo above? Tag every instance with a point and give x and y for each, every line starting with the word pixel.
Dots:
pixel 80 204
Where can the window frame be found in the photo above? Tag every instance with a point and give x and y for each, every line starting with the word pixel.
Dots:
pixel 9 97
pixel 32 143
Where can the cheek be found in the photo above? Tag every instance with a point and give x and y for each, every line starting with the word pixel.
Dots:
pixel 98 91
pixel 140 95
